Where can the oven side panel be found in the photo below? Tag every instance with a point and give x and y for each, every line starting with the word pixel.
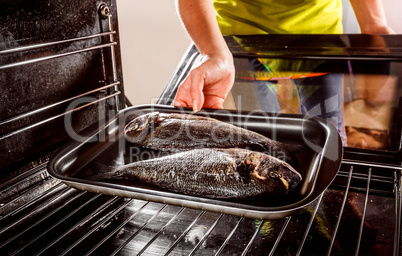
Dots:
pixel 59 69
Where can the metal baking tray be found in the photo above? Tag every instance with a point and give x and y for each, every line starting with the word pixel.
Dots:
pixel 105 144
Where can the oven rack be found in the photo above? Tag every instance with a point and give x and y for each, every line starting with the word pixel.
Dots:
pixel 108 93
pixel 40 215
pixel 56 104
pixel 56 55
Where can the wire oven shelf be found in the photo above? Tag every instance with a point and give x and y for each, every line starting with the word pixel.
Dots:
pixel 113 85
pixel 70 76
pixel 42 216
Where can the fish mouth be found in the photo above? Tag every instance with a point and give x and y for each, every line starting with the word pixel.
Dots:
pixel 277 176
pixel 285 182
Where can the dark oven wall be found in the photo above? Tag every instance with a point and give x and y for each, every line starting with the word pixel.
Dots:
pixel 60 72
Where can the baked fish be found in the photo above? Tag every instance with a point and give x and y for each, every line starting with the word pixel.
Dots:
pixel 177 132
pixel 214 173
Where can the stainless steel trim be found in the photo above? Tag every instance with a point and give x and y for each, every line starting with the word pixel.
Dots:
pixel 15 118
pixel 107 15
pixel 58 185
pixel 257 230
pixel 54 117
pixel 206 235
pixel 55 224
pixel 97 226
pixel 114 68
pixel 112 50
pixel 117 229
pixel 96 211
pixel 25 62
pixel 310 224
pixel 341 211
pixel 364 212
pixel 229 236
pixel 139 230
pixel 371 164
pixel 398 212
pixel 280 235
pixel 36 46
pixel 43 218
pixel 26 175
pixel 118 206
pixel 160 231
pixel 184 233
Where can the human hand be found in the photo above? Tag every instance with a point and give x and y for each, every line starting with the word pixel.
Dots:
pixel 208 84
pixel 371 17
pixel 375 29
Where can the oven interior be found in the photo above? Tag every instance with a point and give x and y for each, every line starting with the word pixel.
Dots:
pixel 57 70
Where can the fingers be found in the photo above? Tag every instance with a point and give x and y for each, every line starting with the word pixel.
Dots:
pixel 181 100
pixel 216 103
pixel 190 92
pixel 206 86
pixel 196 91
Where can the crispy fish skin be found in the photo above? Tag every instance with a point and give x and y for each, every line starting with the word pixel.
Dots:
pixel 176 132
pixel 215 173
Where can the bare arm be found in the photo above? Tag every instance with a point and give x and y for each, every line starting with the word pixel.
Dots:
pixel 208 84
pixel 371 17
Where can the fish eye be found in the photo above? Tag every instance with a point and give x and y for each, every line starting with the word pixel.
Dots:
pixel 274 175
pixel 133 128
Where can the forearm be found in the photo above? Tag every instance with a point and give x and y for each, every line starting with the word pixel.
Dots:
pixel 208 84
pixel 371 16
pixel 198 17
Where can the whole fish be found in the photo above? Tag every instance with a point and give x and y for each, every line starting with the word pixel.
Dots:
pixel 176 132
pixel 214 173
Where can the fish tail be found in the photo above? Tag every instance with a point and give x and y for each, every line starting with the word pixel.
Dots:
pixel 103 171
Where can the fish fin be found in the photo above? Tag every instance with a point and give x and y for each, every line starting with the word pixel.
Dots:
pixel 258 176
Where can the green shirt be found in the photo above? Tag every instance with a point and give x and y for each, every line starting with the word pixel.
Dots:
pixel 248 17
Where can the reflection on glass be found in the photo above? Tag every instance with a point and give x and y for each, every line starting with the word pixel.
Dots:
pixel 359 98
pixel 370 101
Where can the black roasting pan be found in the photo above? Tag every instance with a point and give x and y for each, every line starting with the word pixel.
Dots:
pixel 77 162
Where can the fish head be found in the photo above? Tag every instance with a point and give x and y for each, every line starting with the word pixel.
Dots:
pixel 137 129
pixel 277 170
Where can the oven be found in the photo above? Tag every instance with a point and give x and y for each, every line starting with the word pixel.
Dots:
pixel 61 79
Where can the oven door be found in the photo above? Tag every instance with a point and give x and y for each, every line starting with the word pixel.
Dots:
pixel 352 81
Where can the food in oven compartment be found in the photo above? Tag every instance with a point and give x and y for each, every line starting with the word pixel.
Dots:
pixel 213 173
pixel 177 132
